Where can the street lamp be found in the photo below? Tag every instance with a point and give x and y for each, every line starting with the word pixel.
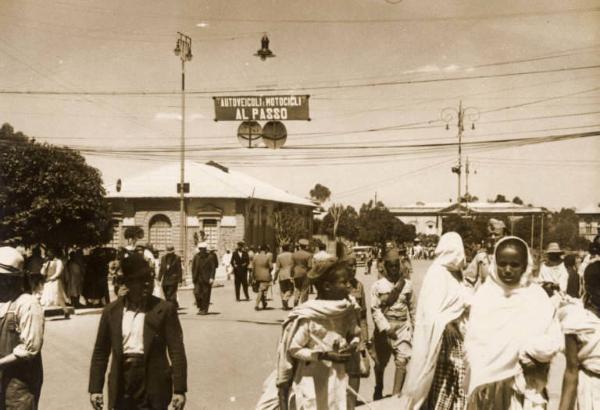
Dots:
pixel 448 114
pixel 183 50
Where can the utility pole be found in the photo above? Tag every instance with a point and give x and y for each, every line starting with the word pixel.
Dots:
pixel 183 50
pixel 447 115
pixel 467 178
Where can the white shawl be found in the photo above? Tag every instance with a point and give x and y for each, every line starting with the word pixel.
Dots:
pixel 508 324
pixel 442 299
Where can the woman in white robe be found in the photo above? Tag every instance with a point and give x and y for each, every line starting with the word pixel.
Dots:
pixel 512 335
pixel 436 369
pixel 53 271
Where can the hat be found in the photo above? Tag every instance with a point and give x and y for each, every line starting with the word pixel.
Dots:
pixel 241 243
pixel 11 262
pixel 320 267
pixel 202 245
pixel 553 248
pixel 136 267
pixel 170 248
pixel 303 242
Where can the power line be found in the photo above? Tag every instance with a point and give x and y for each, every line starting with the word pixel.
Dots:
pixel 304 88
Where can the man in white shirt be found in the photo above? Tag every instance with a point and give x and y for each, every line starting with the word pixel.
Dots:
pixel 21 336
pixel 553 269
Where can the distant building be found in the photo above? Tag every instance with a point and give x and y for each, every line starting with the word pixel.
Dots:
pixel 589 221
pixel 428 217
pixel 222 207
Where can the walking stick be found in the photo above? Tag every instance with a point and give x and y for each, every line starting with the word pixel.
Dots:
pixel 348 388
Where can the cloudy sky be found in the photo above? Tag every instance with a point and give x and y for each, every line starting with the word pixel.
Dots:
pixel 379 74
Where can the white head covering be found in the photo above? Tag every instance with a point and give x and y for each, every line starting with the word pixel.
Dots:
pixel 450 252
pixel 508 324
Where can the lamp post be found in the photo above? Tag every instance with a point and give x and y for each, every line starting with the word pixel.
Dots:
pixel 448 114
pixel 183 50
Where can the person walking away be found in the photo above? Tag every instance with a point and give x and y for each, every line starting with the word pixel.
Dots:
pixel 302 264
pixel 203 276
pixel 170 274
pixel 318 339
pixel 33 267
pixel 283 272
pixel 553 269
pixel 75 274
pixel 53 271
pixel 138 330
pixel 251 253
pixel 512 335
pixel 359 365
pixel 226 263
pixel 240 261
pixel 321 254
pixel 262 264
pixel 436 371
pixel 21 336
pixel 572 263
pixel 393 311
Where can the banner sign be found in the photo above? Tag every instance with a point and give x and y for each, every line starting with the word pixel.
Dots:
pixel 262 108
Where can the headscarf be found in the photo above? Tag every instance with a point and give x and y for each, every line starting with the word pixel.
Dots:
pixel 450 252
pixel 508 324
pixel 442 299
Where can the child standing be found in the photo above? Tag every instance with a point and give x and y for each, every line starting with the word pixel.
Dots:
pixel 319 338
pixel 393 308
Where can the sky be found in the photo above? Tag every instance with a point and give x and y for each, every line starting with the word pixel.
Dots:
pixel 379 74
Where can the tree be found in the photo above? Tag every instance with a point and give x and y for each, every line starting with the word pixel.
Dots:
pixel 469 198
pixel 347 226
pixel 49 195
pixel 320 193
pixel 133 234
pixel 517 200
pixel 500 198
pixel 289 226
pixel 471 229
pixel 377 225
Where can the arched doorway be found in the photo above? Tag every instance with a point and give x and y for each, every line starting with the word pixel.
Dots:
pixel 159 232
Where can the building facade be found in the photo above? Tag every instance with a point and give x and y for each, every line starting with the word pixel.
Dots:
pixel 589 222
pixel 428 218
pixel 222 208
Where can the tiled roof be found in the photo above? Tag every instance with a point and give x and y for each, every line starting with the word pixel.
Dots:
pixel 206 181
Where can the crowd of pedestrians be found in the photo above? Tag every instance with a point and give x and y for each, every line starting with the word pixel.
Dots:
pixel 482 335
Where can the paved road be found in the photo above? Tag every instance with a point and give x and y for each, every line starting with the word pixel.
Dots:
pixel 230 352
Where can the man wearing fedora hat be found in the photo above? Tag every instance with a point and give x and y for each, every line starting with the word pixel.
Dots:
pixel 21 336
pixel 139 330
pixel 240 260
pixel 553 269
pixel 203 276
pixel 169 274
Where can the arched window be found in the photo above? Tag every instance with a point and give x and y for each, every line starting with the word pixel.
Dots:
pixel 159 233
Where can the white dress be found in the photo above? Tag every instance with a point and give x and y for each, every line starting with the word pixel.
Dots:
pixel 54 292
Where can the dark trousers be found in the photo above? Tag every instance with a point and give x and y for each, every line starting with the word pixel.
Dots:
pixel 241 279
pixel 19 395
pixel 170 291
pixel 202 291
pixel 301 286
pixel 134 386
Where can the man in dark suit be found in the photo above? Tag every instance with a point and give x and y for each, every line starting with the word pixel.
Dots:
pixel 139 329
pixel 203 276
pixel 169 274
pixel 240 261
